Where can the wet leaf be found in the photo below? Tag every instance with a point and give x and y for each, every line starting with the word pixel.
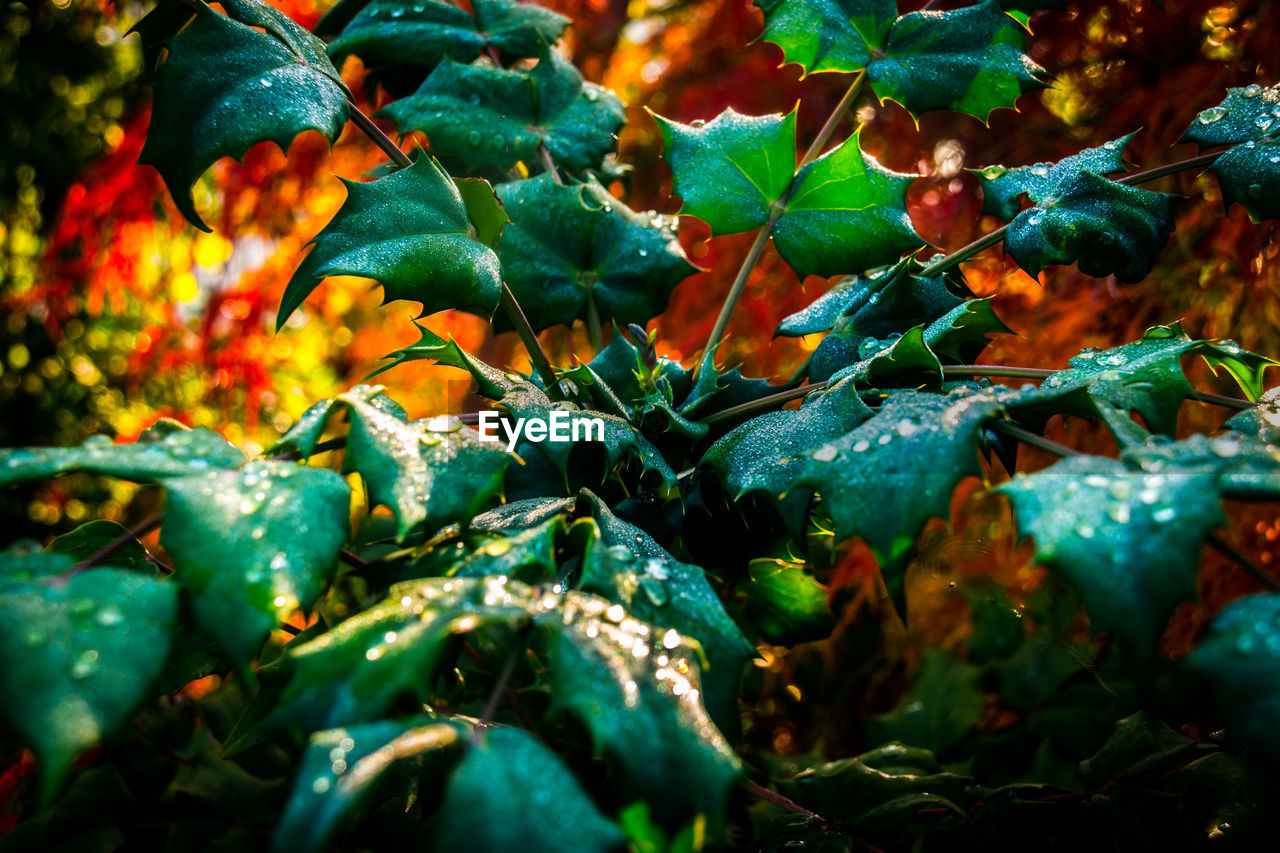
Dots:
pixel 172 454
pixel 827 35
pixel 1003 187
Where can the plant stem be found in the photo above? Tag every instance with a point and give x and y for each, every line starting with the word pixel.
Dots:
pixel 764 403
pixel 775 213
pixel 959 255
pixel 996 370
pixel 549 164
pixel 507 298
pixel 1228 550
pixel 499 687
pixel 785 803
pixel 593 320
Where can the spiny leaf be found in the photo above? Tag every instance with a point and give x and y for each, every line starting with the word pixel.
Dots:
pixel 431 472
pixel 1261 421
pixel 1106 227
pixel 226 86
pixel 900 361
pixel 1249 175
pixel 155 457
pixel 495 117
pixel 636 688
pixel 767 453
pixel 729 171
pixel 1245 114
pixel 888 476
pixel 254 545
pixel 341 771
pixel 943 705
pixel 79 656
pixel 827 35
pixel 528 555
pixel 628 566
pixel 1002 187
pixel 423 32
pixel 570 247
pixel 970 60
pixel 543 807
pixel 890 301
pixel 845 213
pixel 410 233
pixel 1126 539
pixel 1239 661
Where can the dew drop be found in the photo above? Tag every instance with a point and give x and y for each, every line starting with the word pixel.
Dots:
pixel 826 453
pixel 1251 91
pixel 85 664
pixel 473 137
pixel 1212 115
pixel 266 84
pixel 697 122
pixel 1255 191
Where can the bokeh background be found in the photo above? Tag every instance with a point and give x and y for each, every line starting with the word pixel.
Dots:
pixel 116 312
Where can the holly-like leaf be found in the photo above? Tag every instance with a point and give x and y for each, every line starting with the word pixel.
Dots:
pixel 228 85
pixel 341 772
pixel 431 472
pixel 767 453
pixel 1239 661
pixel 1126 539
pixel 570 247
pixel 252 546
pixel 943 705
pixel 77 657
pixel 873 306
pixel 157 456
pixel 528 555
pixel 92 536
pixel 1249 175
pixel 496 117
pixel 637 690
pixel 786 603
pixel 888 476
pixel 1245 114
pixel 1002 187
pixel 845 213
pixel 827 35
pixel 1144 376
pixel 544 808
pixel 735 174
pixel 1261 421
pixel 730 170
pixel 1107 227
pixel 409 232
pixel 628 566
pixel 423 32
pixel 969 60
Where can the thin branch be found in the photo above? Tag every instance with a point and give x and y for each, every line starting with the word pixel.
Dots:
pixel 996 370
pixel 549 164
pixel 371 130
pixel 764 403
pixel 1034 439
pixel 1172 168
pixel 352 559
pixel 1222 400
pixel 495 697
pixel 530 339
pixel 833 120
pixel 785 803
pixel 1231 552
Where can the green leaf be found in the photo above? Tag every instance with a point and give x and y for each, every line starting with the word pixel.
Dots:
pixel 340 774
pixel 431 472
pixel 785 603
pixel 357 671
pixel 1249 175
pixel 629 567
pixel 827 35
pixel 1127 540
pixel 570 247
pixel 729 171
pixel 1140 744
pixel 410 233
pixel 1144 376
pixel 767 453
pixel 1239 661
pixel 888 476
pixel 528 555
pixel 154 458
pixel 251 546
pixel 495 117
pixel 227 86
pixel 1261 421
pixel 969 60
pixel 423 32
pixel 507 772
pixel 1002 187
pixel 845 213
pixel 92 536
pixel 78 656
pixel 1245 114
pixel 873 306
pixel 1106 227
pixel 636 689
pixel 850 788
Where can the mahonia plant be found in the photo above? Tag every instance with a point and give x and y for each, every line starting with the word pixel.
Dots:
pixel 545 644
